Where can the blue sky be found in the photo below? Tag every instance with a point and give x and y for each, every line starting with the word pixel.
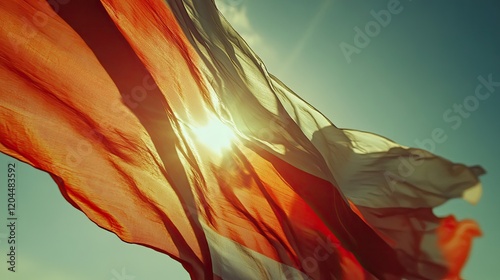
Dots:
pixel 419 67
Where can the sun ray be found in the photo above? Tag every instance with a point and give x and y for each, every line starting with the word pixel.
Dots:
pixel 215 135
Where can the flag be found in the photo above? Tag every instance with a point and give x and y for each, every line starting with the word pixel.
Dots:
pixel 157 121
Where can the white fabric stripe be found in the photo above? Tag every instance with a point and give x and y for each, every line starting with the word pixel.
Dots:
pixel 369 169
pixel 231 260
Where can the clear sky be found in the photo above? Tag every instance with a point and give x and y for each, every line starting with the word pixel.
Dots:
pixel 402 83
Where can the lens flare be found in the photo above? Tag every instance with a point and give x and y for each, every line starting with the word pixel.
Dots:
pixel 215 135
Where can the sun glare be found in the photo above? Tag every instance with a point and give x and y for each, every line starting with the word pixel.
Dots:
pixel 215 134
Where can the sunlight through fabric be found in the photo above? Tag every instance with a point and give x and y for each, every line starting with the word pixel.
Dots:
pixel 117 105
pixel 215 135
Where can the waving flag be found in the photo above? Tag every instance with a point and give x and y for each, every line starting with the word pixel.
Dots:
pixel 158 122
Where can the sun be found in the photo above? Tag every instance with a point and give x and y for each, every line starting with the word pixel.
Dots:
pixel 215 135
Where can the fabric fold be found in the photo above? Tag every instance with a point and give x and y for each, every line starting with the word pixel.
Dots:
pixel 109 97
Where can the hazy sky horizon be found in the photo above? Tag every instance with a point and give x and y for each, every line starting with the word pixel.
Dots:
pixel 403 82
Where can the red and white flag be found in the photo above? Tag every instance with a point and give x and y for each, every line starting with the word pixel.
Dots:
pixel 158 122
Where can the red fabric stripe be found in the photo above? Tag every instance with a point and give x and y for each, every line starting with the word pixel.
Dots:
pixel 275 209
pixel 430 246
pixel 92 22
